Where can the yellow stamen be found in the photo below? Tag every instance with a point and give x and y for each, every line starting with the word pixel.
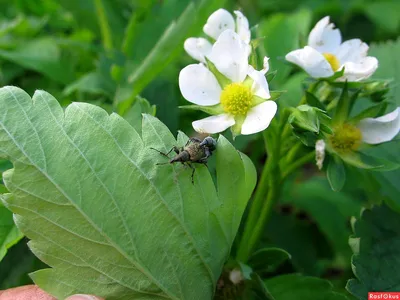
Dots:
pixel 345 138
pixel 333 61
pixel 236 99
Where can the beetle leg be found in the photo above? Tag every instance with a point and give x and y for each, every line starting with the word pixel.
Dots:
pixel 166 154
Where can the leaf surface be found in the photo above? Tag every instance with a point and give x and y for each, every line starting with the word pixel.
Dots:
pixel 376 248
pixel 86 190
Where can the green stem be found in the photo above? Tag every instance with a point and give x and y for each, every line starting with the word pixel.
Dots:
pixel 297 164
pixel 104 26
pixel 270 184
pixel 259 203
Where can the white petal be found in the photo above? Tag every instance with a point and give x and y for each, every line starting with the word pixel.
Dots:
pixel 218 22
pixel 265 65
pixel 382 129
pixel 197 48
pixel 352 51
pixel 199 86
pixel 213 124
pixel 260 85
pixel 230 56
pixel 359 71
pixel 313 62
pixel 242 27
pixel 259 117
pixel 323 37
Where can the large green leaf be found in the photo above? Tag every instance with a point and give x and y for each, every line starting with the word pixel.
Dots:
pixel 376 247
pixel 294 286
pixel 9 234
pixel 87 190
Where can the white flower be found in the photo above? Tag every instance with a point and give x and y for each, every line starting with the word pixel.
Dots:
pixel 381 129
pixel 326 54
pixel 218 22
pixel 242 103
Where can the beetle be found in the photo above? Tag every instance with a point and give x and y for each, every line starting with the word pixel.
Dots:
pixel 195 151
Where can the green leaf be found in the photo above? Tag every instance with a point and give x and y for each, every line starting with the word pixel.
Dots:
pixel 44 56
pixel 87 190
pixel 268 259
pixel 288 30
pixel 170 44
pixel 384 14
pixel 134 114
pixel 294 286
pixel 376 247
pixel 9 233
pixel 328 209
pixel 336 173
pixel 16 266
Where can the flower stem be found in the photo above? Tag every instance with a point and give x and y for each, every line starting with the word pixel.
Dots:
pixel 260 207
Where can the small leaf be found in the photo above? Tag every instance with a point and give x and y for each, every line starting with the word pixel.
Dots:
pixel 9 233
pixel 268 259
pixel 336 173
pixel 376 247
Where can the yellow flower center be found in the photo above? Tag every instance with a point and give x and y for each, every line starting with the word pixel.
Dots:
pixel 333 61
pixel 236 99
pixel 345 138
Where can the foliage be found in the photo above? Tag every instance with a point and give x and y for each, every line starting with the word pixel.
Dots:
pixel 114 160
pixel 84 186
pixel 376 252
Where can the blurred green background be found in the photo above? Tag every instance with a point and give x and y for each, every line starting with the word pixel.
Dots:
pixel 108 52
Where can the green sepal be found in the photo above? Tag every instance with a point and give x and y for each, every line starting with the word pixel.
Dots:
pixel 221 78
pixel 304 117
pixel 363 160
pixel 370 112
pixel 309 118
pixel 212 110
pixel 271 75
pixel 336 173
pixel 275 94
pixel 312 100
pixel 335 76
pixel 376 90
pixel 236 129
pixel 344 105
pixel 306 137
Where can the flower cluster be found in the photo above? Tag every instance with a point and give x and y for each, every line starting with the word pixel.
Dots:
pixel 236 95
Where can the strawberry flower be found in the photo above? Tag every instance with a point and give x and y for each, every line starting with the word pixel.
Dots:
pixel 326 54
pixel 240 103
